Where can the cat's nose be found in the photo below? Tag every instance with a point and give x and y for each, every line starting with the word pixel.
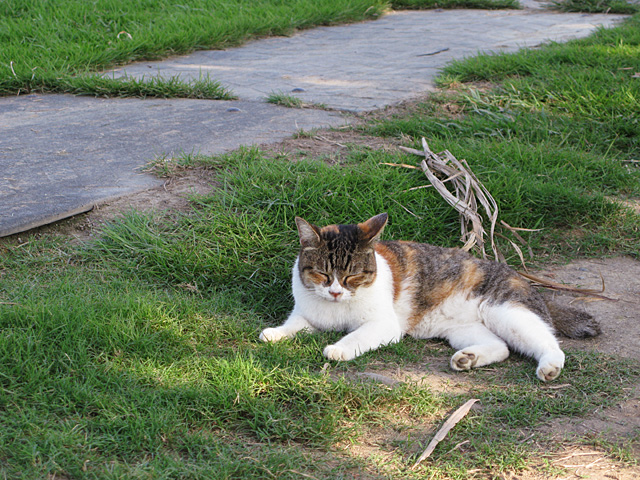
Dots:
pixel 335 294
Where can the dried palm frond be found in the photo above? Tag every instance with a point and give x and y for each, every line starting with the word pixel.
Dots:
pixel 467 195
pixel 459 186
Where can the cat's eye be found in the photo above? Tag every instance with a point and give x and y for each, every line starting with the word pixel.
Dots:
pixel 354 280
pixel 321 276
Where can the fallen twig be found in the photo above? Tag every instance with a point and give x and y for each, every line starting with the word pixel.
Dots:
pixel 589 292
pixel 576 454
pixel 458 415
pixel 457 447
pixel 325 139
pixel 555 387
pixel 446 49
pixel 403 165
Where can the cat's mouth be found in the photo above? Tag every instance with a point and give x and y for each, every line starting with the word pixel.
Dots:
pixel 332 295
pixel 333 298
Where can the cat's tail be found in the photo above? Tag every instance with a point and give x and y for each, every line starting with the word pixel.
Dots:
pixel 571 322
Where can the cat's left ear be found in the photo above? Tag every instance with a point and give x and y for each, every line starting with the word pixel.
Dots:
pixel 372 228
pixel 309 234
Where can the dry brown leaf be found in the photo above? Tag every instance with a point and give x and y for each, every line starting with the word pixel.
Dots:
pixel 458 415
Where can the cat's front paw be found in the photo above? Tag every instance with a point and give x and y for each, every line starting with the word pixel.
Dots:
pixel 335 352
pixel 550 366
pixel 463 360
pixel 272 335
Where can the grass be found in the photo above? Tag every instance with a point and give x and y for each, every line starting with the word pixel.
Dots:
pixel 136 355
pixel 110 371
pixel 158 87
pixel 285 100
pixel 61 46
pixel 596 6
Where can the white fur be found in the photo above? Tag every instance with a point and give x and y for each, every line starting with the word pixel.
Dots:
pixel 482 333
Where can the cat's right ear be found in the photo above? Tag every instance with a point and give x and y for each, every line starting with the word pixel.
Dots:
pixel 309 234
pixel 372 228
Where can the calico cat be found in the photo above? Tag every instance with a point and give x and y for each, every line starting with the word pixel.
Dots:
pixel 345 278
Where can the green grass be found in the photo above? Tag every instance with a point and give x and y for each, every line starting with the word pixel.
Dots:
pixel 111 371
pixel 285 100
pixel 596 6
pixel 60 46
pixel 588 78
pixel 136 355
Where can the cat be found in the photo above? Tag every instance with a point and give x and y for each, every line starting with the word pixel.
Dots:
pixel 346 279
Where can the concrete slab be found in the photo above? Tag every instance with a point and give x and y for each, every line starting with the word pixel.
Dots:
pixel 369 65
pixel 60 155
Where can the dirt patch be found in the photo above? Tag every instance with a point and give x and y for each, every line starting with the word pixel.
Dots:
pixel 619 317
pixel 166 200
pixel 330 145
pixel 575 462
pixel 433 372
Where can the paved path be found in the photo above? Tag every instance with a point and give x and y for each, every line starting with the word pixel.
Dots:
pixel 369 65
pixel 60 155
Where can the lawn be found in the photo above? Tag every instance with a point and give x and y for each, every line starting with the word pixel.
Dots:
pixel 60 46
pixel 136 354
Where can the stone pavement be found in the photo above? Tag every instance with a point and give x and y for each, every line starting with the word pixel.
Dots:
pixel 60 155
pixel 366 66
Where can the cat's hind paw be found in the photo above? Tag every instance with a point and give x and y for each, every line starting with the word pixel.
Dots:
pixel 548 372
pixel 335 352
pixel 463 360
pixel 550 366
pixel 272 335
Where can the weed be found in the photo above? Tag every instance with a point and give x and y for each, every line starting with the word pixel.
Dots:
pixel 285 100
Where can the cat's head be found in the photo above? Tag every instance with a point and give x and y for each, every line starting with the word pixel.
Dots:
pixel 336 260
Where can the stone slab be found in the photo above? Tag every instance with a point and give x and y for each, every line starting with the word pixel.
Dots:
pixel 60 154
pixel 369 65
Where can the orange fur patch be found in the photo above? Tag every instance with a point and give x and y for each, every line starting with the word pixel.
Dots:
pixel 317 278
pixel 471 275
pixel 443 291
pixel 365 228
pixel 520 284
pixel 331 228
